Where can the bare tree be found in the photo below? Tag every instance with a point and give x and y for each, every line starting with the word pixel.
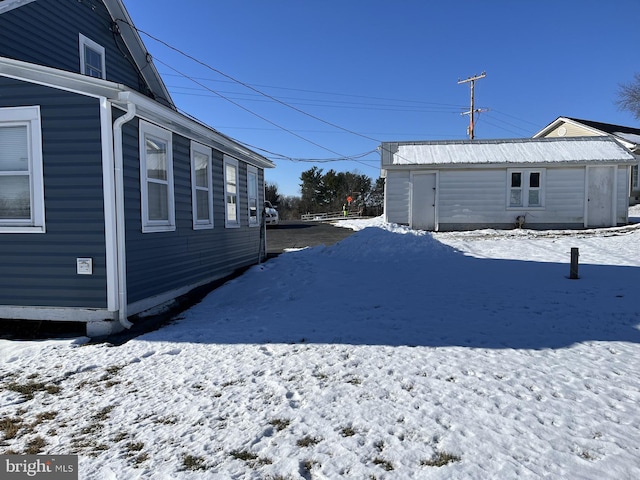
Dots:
pixel 629 96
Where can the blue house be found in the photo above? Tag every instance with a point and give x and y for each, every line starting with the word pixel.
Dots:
pixel 111 201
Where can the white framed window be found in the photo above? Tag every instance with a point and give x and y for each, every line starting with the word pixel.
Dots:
pixel 92 58
pixel 525 188
pixel 252 194
pixel 21 173
pixel 634 177
pixel 232 212
pixel 201 187
pixel 156 178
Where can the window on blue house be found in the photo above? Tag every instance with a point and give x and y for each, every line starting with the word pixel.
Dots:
pixel 252 193
pixel 232 213
pixel 156 177
pixel 21 175
pixel 201 188
pixel 92 58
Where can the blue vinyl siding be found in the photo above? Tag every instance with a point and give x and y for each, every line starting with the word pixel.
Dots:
pixel 47 32
pixel 40 269
pixel 164 261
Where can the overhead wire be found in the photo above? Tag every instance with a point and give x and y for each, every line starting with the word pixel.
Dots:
pixel 281 102
pixel 250 111
pixel 246 85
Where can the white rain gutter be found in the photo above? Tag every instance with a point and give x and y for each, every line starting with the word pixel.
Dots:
pixel 120 219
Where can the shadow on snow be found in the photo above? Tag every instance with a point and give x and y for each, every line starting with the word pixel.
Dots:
pixel 384 288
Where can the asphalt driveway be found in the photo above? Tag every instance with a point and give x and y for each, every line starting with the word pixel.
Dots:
pixel 298 234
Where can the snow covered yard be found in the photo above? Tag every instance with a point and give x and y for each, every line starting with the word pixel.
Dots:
pixel 392 354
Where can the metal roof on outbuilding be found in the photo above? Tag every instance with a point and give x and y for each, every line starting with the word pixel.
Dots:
pixel 505 152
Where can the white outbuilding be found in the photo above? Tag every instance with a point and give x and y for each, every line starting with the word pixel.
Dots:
pixel 540 183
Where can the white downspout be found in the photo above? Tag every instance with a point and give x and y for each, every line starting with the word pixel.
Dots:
pixel 120 223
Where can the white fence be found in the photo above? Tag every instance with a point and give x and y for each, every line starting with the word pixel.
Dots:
pixel 322 217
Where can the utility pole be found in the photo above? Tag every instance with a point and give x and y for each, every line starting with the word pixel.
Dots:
pixel 472 111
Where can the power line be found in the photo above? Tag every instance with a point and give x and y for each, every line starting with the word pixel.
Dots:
pixel 322 103
pixel 246 85
pixel 337 94
pixel 252 112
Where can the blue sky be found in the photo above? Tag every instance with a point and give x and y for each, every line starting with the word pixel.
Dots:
pixel 309 82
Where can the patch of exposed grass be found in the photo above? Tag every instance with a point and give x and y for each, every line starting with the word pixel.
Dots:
pixel 45 416
pixel 134 446
pixel 244 455
pixel 193 463
pixel 587 455
pixel 10 427
pixel 114 369
pixel 308 441
pixel 35 446
pixel 230 383
pixel 29 389
pixel 347 431
pixel 320 375
pixel 90 429
pixel 249 457
pixel 280 423
pixel 385 464
pixel 143 457
pixel 166 420
pixel 103 414
pixel 440 459
pixel 306 467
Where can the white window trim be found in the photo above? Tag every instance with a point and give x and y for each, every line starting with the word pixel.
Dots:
pixel 634 177
pixel 85 41
pixel 231 223
pixel 29 116
pixel 150 226
pixel 253 221
pixel 11 4
pixel 525 188
pixel 208 223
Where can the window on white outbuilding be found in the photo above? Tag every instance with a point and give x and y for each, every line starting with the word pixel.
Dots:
pixel 525 188
pixel 252 193
pixel 156 177
pixel 21 176
pixel 92 58
pixel 232 217
pixel 201 186
pixel 634 177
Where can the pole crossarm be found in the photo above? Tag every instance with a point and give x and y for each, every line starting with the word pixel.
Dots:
pixel 472 111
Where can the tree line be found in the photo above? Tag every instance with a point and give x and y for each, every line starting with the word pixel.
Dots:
pixel 329 191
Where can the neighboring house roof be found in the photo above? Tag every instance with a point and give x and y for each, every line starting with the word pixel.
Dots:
pixel 505 152
pixel 628 136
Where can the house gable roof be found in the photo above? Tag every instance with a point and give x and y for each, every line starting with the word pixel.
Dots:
pixel 6 5
pixel 121 95
pixel 508 152
pixel 628 136
pixel 136 48
pixel 140 55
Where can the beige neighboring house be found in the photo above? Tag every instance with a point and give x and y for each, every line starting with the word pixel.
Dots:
pixel 628 137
